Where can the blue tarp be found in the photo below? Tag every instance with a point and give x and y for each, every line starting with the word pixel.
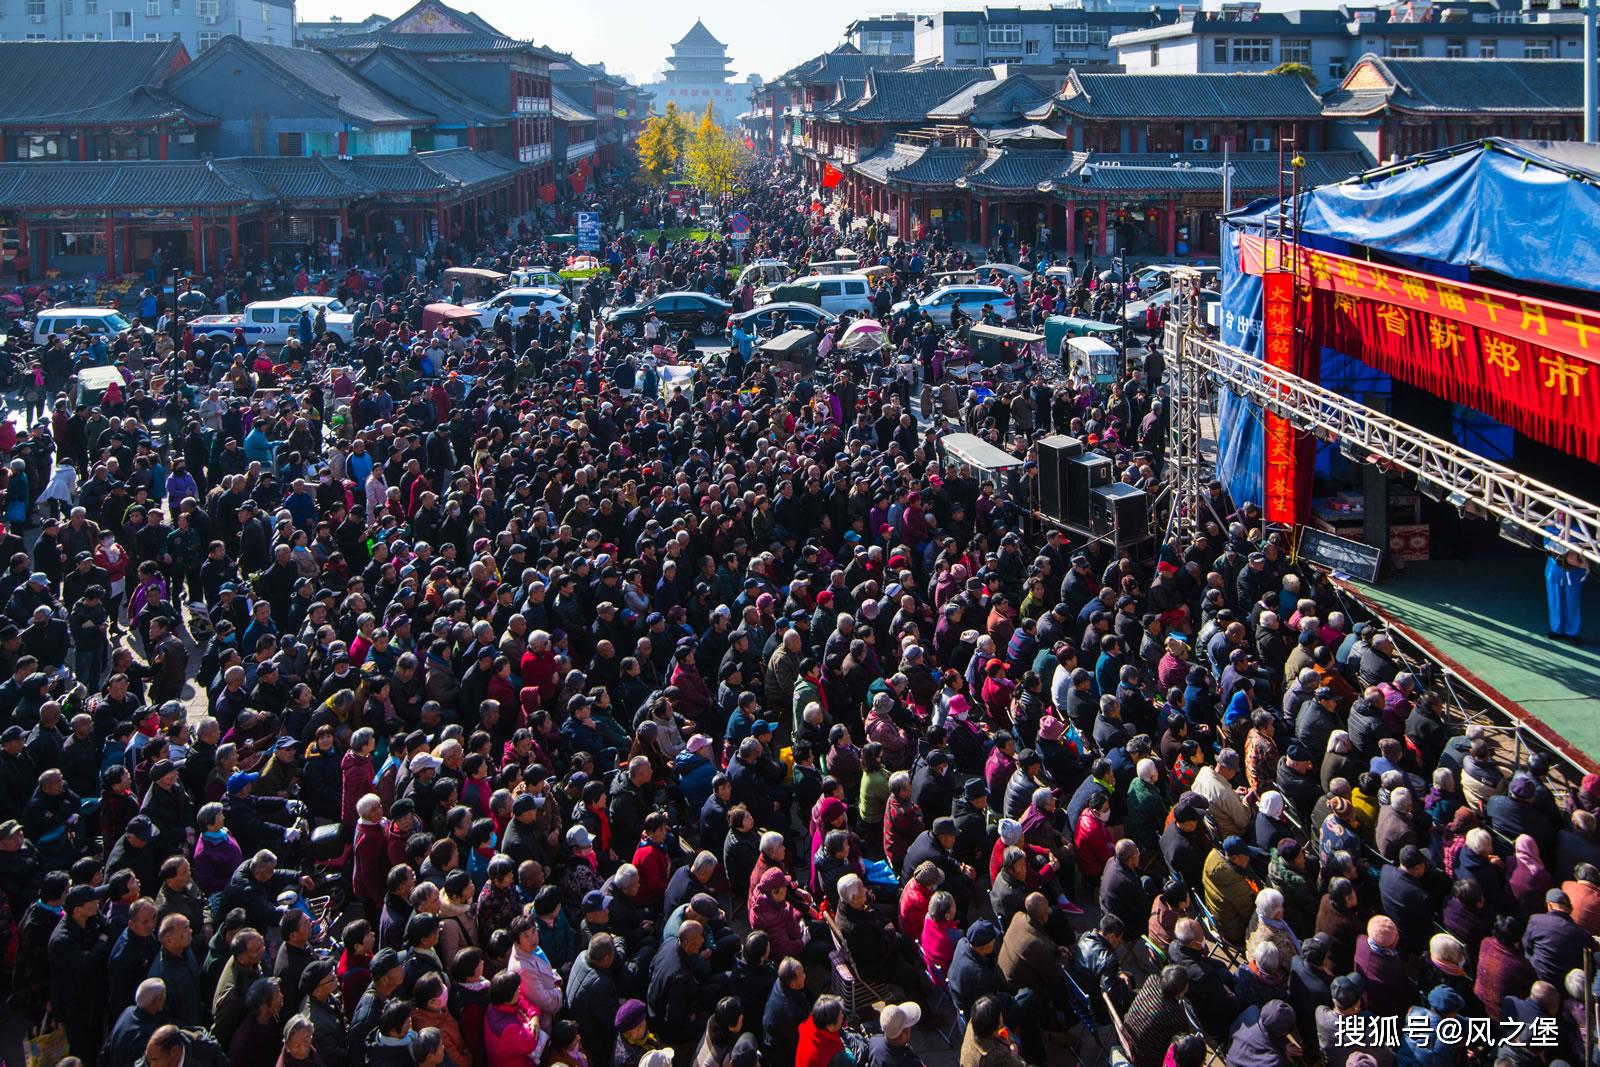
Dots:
pixel 1517 208
pixel 1240 450
pixel 1512 207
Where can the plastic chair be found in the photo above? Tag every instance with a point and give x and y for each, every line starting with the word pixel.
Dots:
pixel 953 1033
pixel 1082 1008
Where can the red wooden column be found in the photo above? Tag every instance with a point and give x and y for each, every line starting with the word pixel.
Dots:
pixel 111 247
pixel 1172 225
pixel 199 244
pixel 233 234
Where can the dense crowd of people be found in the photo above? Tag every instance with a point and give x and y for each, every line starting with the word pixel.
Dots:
pixel 736 725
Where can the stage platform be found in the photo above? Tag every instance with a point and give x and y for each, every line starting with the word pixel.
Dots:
pixel 1486 619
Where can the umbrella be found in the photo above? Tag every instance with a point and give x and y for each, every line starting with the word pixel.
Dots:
pixel 862 336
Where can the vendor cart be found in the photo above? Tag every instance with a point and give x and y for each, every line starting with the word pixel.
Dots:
pixel 464 320
pixel 978 459
pixel 1057 328
pixel 794 350
pixel 477 283
pixel 1005 349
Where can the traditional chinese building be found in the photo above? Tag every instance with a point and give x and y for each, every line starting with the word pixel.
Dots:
pixel 697 74
pixel 510 77
pixel 1391 107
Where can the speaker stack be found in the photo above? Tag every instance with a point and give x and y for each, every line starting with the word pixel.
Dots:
pixel 1083 473
pixel 1121 511
pixel 1054 452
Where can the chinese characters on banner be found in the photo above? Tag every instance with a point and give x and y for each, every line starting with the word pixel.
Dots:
pixel 1288 455
pixel 1548 395
pixel 1532 364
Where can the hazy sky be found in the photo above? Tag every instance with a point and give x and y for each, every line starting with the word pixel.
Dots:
pixel 634 37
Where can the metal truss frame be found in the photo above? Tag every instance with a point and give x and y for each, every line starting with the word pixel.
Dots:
pixel 1538 514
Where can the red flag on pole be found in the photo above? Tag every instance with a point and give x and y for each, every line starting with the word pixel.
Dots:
pixel 831 175
pixel 547 192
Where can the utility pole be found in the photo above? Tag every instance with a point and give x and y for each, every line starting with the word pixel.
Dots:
pixel 1591 88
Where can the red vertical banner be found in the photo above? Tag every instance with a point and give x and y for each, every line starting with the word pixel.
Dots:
pixel 1288 455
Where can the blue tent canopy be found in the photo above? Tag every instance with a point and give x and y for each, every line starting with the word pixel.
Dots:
pixel 1523 209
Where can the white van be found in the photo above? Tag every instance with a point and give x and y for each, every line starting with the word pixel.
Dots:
pixel 764 273
pixel 62 321
pixel 842 292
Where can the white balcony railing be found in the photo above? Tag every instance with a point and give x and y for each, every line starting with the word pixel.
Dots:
pixel 578 151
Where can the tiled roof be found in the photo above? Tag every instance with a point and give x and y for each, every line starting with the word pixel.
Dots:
pixel 846 61
pixel 247 180
pixel 430 43
pixel 142 184
pixel 849 93
pixel 919 164
pixel 307 72
pixel 89 82
pixel 566 109
pixel 458 32
pixel 908 95
pixel 393 175
pixel 994 101
pixel 1251 173
pixel 352 94
pixel 467 167
pixel 699 37
pixel 294 178
pixel 1185 96
pixel 1008 170
pixel 424 90
pixel 1461 86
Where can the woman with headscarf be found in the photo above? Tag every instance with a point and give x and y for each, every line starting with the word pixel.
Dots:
pixel 1338 833
pixel 1453 838
pixel 1270 825
pixel 773 912
pixel 1528 880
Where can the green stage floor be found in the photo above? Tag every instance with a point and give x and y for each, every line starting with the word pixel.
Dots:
pixel 1488 616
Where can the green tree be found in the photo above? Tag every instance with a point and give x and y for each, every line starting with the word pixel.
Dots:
pixel 1299 70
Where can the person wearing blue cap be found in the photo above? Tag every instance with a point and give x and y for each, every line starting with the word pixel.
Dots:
pixel 1227 892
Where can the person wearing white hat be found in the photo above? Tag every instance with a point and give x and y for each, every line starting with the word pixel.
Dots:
pixel 892 1048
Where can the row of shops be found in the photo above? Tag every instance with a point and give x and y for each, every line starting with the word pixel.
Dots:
pixel 114 218
pixel 1071 202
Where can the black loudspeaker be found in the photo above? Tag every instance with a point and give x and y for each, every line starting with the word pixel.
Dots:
pixel 1084 472
pixel 1053 455
pixel 1120 510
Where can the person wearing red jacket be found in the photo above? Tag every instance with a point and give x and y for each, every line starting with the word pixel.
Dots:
pixel 1092 838
pixel 356 774
pixel 655 866
pixel 818 1042
pixel 511 1034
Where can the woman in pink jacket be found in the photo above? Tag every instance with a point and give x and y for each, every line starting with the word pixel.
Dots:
pixel 771 911
pixel 941 929
pixel 511 1034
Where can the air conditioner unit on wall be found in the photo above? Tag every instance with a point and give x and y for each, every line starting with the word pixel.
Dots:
pixel 212 20
pixel 1262 144
pixel 1200 144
